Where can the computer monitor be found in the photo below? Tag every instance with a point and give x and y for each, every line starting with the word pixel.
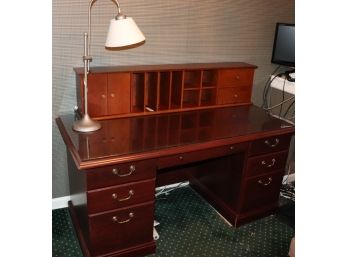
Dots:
pixel 284 45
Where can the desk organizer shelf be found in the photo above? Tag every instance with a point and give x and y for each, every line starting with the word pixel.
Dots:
pixel 140 90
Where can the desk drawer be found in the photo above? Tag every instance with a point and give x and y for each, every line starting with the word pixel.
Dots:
pixel 190 157
pixel 121 228
pixel 270 144
pixel 262 191
pixel 121 173
pixel 266 163
pixel 240 94
pixel 235 77
pixel 120 196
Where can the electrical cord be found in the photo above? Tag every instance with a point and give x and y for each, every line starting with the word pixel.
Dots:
pixel 289 107
pixel 274 106
pixel 265 89
pixel 266 105
pixel 283 97
pixel 162 190
pixel 268 91
pixel 169 190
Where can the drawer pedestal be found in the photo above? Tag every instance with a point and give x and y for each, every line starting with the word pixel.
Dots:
pixel 246 186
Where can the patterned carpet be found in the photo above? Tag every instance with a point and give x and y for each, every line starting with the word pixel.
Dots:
pixel 190 227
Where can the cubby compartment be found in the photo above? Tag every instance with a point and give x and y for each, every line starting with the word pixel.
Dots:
pixel 151 91
pixel 138 90
pixel 176 89
pixel 190 98
pixel 208 96
pixel 209 78
pixel 164 91
pixel 192 79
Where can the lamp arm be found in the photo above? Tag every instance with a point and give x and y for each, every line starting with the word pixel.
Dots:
pixel 87 46
pixel 89 24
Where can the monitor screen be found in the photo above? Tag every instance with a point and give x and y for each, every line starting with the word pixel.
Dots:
pixel 284 45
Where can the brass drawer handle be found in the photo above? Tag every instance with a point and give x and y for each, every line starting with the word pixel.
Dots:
pixel 269 165
pixel 131 215
pixel 130 193
pixel 265 183
pixel 276 142
pixel 131 170
pixel 181 157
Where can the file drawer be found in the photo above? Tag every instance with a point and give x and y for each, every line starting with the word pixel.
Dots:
pixel 121 228
pixel 262 191
pixel 120 196
pixel 259 165
pixel 121 173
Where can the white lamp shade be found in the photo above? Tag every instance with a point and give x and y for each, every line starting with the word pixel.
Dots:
pixel 123 32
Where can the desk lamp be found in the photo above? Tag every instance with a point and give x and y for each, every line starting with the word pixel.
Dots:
pixel 123 31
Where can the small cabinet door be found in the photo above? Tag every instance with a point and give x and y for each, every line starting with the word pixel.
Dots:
pixel 118 93
pixel 97 94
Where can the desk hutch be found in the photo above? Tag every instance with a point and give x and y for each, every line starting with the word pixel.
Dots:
pixel 163 124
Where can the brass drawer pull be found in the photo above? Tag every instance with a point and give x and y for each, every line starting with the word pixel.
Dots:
pixel 131 215
pixel 131 170
pixel 276 142
pixel 265 183
pixel 269 165
pixel 181 157
pixel 130 193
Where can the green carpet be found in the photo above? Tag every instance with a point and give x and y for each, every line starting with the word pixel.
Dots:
pixel 189 226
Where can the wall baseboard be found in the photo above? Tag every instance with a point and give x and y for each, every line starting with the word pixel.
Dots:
pixel 60 202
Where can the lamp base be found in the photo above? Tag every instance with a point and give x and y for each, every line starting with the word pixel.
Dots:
pixel 86 124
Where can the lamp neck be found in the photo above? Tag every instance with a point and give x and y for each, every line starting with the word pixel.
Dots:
pixel 119 16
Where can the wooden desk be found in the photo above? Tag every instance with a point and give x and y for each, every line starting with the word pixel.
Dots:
pixel 233 156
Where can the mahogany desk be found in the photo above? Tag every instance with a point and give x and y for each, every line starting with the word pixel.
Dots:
pixel 234 157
